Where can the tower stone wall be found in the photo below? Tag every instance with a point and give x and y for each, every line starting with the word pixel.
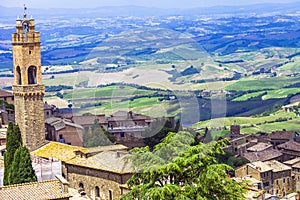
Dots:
pixel 27 88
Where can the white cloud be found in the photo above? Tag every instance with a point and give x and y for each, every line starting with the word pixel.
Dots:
pixel 148 3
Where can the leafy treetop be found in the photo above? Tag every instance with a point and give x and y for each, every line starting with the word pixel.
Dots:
pixel 178 170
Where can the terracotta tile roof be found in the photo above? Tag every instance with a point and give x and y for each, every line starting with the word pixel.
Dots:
pixel 59 123
pixel 277 166
pixel 51 120
pixel 112 161
pixel 237 137
pixel 290 145
pixel 108 158
pixel 263 155
pixel 260 166
pixel 282 135
pixel 123 115
pixel 260 147
pixel 120 113
pixel 106 148
pixel 293 161
pixel 4 93
pixel 57 150
pixel 73 124
pixel 88 120
pixel 38 190
pixel 297 165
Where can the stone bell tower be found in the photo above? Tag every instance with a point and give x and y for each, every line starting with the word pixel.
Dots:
pixel 27 88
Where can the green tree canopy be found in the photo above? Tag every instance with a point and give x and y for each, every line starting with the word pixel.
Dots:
pixel 21 169
pixel 97 136
pixel 13 142
pixel 178 170
pixel 156 132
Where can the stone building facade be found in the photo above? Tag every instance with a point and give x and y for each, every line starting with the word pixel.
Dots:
pixel 129 127
pixel 64 131
pixel 97 185
pixel 98 172
pixel 275 177
pixel 6 96
pixel 56 189
pixel 28 89
pixel 101 175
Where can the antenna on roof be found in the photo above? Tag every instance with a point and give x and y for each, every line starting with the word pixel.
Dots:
pixel 25 15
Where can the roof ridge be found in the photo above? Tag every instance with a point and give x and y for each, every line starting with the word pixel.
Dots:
pixel 29 183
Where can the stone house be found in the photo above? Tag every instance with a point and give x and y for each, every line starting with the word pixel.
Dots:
pixel 87 121
pixel 64 131
pixel 281 178
pixel 264 155
pixel 128 127
pixel 261 146
pixel 254 190
pixel 275 177
pixel 290 150
pixel 6 96
pixel 240 143
pixel 51 189
pixel 50 110
pixel 279 137
pixel 295 165
pixel 101 176
pixel 6 115
pixel 99 172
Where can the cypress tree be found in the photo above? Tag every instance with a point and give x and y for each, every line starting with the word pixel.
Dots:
pixel 21 169
pixel 13 141
pixel 17 133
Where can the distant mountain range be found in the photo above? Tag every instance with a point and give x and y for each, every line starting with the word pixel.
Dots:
pixel 147 11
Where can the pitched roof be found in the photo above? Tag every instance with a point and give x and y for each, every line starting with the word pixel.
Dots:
pixel 57 150
pixel 4 93
pixel 88 120
pixel 277 166
pixel 106 148
pixel 260 166
pixel 263 155
pixel 59 123
pixel 282 135
pixel 112 161
pixel 297 165
pixel 123 115
pixel 260 147
pixel 290 145
pixel 108 158
pixel 50 189
pixel 293 161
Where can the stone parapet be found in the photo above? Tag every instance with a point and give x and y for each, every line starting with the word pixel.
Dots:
pixel 28 90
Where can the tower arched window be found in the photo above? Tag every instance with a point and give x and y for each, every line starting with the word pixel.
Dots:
pixel 97 191
pixel 19 76
pixel 81 186
pixel 32 75
pixel 110 195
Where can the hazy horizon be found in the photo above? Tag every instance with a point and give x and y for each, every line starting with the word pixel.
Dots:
pixel 146 3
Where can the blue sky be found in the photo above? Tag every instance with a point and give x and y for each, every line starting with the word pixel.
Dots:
pixel 148 3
